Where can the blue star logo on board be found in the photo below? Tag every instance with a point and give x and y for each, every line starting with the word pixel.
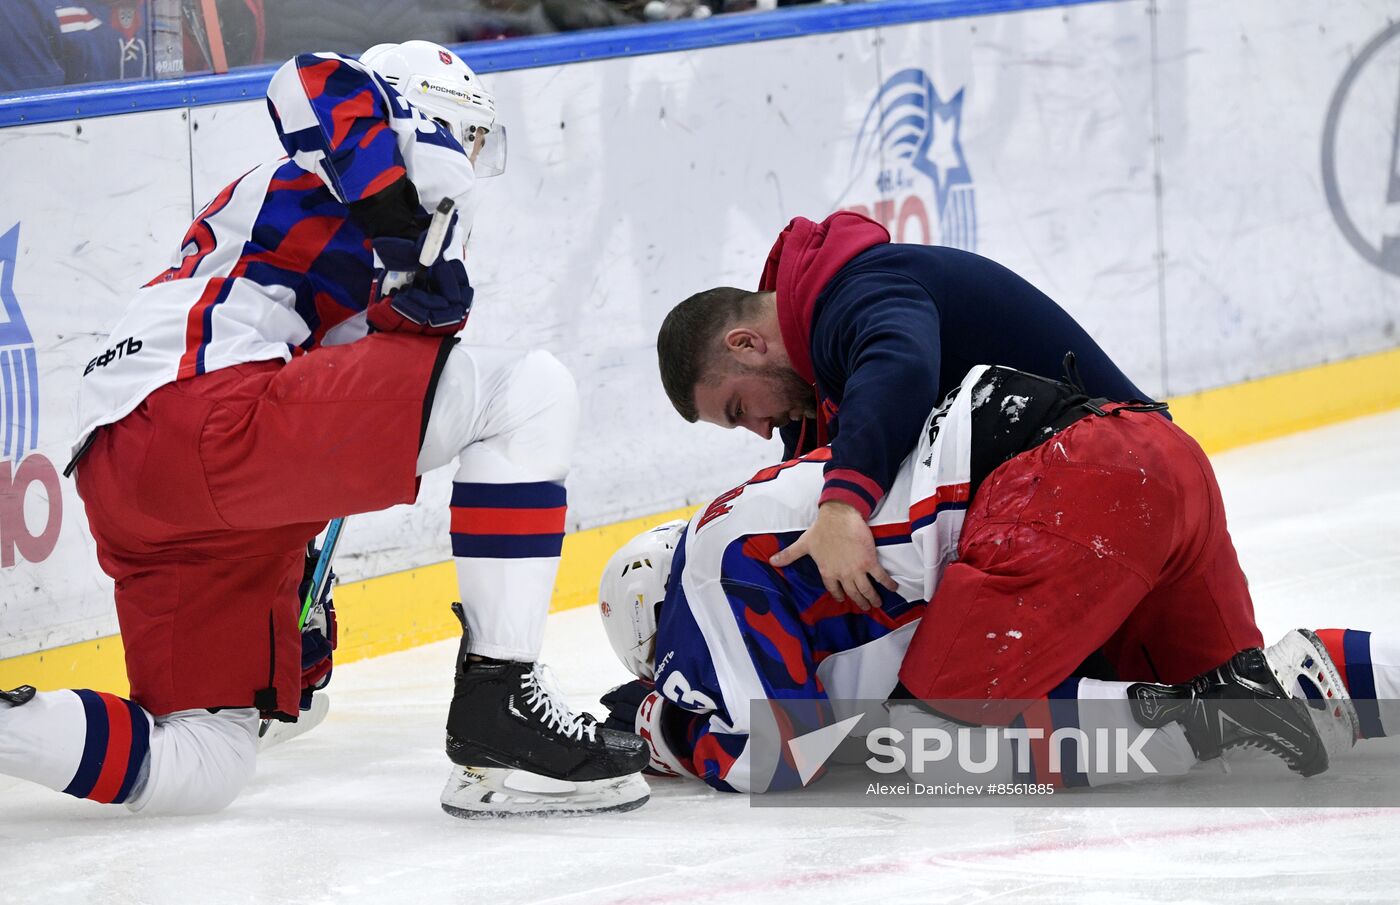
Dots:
pixel 29 521
pixel 19 367
pixel 911 138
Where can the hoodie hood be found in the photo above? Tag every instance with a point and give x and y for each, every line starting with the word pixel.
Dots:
pixel 803 260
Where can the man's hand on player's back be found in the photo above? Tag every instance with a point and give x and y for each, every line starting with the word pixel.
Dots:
pixel 841 545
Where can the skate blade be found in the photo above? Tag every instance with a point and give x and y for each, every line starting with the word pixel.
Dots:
pixel 273 732
pixel 475 792
pixel 1303 667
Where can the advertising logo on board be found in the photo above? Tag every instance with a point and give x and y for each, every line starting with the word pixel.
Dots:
pixel 31 500
pixel 909 156
pixel 1361 152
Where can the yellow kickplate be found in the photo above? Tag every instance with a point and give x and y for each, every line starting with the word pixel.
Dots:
pixel 377 616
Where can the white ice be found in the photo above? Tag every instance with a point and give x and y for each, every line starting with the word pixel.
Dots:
pixel 349 813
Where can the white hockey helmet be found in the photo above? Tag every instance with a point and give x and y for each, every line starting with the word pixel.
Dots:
pixel 437 82
pixel 631 592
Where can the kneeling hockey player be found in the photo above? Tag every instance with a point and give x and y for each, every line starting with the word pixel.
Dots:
pixel 244 401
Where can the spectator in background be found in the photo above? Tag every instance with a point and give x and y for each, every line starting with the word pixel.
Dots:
pixel 662 10
pixel 46 43
pixel 575 15
pixel 351 26
pixel 571 15
pixel 236 39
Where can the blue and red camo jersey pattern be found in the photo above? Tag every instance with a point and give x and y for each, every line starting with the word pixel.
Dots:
pixel 303 238
pixel 789 624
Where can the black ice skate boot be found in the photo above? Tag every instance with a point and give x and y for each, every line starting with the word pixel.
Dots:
pixel 504 714
pixel 1257 699
pixel 17 696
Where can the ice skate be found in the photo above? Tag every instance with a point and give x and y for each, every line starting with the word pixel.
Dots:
pixel 506 714
pixel 17 696
pixel 1256 700
pixel 274 732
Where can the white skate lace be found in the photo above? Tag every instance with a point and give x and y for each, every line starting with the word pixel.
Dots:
pixel 543 697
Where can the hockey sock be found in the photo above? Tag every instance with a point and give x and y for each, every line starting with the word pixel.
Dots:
pixel 506 539
pixel 1370 668
pixel 88 744
pixel 509 420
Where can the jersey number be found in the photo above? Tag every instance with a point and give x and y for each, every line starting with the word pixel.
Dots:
pixel 678 689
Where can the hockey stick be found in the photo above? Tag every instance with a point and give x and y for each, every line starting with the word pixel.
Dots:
pixel 320 576
pixel 322 572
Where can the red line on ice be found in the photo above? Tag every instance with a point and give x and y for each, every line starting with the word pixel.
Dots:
pixel 973 856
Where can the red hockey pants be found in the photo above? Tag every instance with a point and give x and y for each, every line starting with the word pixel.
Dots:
pixel 1108 537
pixel 202 500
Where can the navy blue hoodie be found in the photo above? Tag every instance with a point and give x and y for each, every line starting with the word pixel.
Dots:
pixel 884 331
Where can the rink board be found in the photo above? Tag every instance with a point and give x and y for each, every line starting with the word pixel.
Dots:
pixel 1207 188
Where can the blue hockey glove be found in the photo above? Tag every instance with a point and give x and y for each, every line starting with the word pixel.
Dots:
pixel 437 300
pixel 622 703
pixel 396 254
pixel 437 304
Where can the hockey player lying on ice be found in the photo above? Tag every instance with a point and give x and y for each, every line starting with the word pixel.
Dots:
pixel 244 402
pixel 1043 529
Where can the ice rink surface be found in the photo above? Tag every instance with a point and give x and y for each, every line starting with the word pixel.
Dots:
pixel 349 813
